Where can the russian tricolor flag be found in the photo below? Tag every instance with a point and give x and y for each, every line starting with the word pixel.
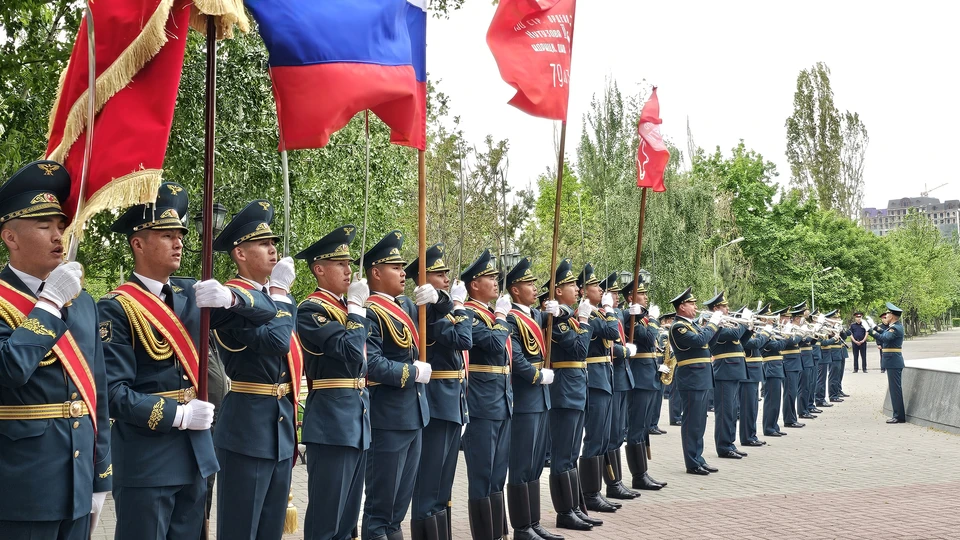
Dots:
pixel 417 30
pixel 330 59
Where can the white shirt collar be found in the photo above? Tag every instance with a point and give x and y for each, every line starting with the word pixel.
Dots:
pixel 331 293
pixel 524 309
pixel 385 295
pixel 153 285
pixel 679 316
pixel 32 282
pixel 259 286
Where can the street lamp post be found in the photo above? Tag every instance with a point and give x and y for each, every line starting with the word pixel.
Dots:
pixel 730 243
pixel 813 302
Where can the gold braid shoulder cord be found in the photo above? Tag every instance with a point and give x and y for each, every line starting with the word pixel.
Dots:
pixel 14 320
pixel 529 342
pixel 157 348
pixel 403 340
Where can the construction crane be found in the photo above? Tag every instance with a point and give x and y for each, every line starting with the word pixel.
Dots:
pixel 926 192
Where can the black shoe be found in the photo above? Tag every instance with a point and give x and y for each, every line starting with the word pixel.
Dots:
pixel 883 371
pixel 619 491
pixel 807 416
pixel 824 404
pixel 775 434
pixel 674 423
pixel 753 443
pixel 569 520
pixel 842 394
pixel 836 400
pixel 794 425
pixel 662 431
pixel 587 519
pixel 543 533
pixel 730 454
pixel 855 371
pixel 526 533
pixel 815 410
pixel 614 504
pixel 742 454
pixel 864 371
pixel 644 482
pixel 653 431
pixel 699 470
pixel 782 434
pixel 896 421
pixel 709 468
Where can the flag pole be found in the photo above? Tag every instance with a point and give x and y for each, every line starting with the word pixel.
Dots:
pixel 636 261
pixel 74 244
pixel 422 266
pixel 462 213
pixel 366 186
pixel 556 238
pixel 286 201
pixel 206 257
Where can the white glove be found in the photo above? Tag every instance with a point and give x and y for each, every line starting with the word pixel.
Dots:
pixel 746 314
pixel 424 370
pixel 503 307
pixel 788 327
pixel 357 294
pixel 606 301
pixel 663 368
pixel 283 274
pixel 546 376
pixel 458 293
pixel 63 284
pixel 716 317
pixel 631 349
pixel 552 307
pixel 768 328
pixel 821 318
pixel 654 312
pixel 196 415
pixel 584 309
pixel 425 294
pixel 96 508
pixel 870 322
pixel 211 294
pixel 637 309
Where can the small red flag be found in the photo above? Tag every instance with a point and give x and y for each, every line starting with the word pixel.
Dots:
pixel 532 41
pixel 652 155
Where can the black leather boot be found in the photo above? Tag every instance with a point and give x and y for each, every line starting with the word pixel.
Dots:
pixel 396 535
pixel 443 525
pixel 565 499
pixel 481 519
pixel 533 493
pixel 646 467
pixel 637 461
pixel 591 484
pixel 580 507
pixel 519 502
pixel 499 508
pixel 613 478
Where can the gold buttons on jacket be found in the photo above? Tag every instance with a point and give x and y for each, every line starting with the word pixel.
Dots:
pixel 73 395
pixel 76 454
pixel 280 420
pixel 76 424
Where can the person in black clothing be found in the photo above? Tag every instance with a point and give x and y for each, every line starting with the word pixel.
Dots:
pixel 858 335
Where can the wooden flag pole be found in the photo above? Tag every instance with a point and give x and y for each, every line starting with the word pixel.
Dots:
pixel 636 262
pixel 206 257
pixel 74 244
pixel 553 250
pixel 422 267
pixel 286 201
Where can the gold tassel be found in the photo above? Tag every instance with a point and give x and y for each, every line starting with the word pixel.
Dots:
pixel 290 521
pixel 226 13
pixel 138 187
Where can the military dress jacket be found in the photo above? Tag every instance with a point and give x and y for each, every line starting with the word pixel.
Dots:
pixel 489 391
pixel 147 450
pixel 729 360
pixel 50 467
pixel 259 426
pixel 806 352
pixel 397 401
pixel 605 331
pixel 791 354
pixel 333 343
pixel 530 395
pixel 753 359
pixel 691 346
pixel 817 353
pixel 844 353
pixel 447 338
pixel 891 339
pixel 643 365
pixel 773 358
pixel 569 354
pixel 622 372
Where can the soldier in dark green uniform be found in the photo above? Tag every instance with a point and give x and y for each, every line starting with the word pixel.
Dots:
pixel 889 334
pixel 729 368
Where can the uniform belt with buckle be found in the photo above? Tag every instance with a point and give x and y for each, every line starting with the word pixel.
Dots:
pixel 277 390
pixel 599 359
pixel 483 368
pixel 67 409
pixel 183 395
pixel 349 384
pixel 569 365
pixel 448 375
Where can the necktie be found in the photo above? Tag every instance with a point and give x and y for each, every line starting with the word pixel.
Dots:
pixel 40 288
pixel 167 296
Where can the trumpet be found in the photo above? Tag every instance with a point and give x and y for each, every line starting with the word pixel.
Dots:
pixel 728 321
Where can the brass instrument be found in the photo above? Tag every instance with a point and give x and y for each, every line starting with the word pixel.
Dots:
pixel 670 361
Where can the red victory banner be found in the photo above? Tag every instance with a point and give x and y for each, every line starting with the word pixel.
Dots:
pixel 532 41
pixel 652 154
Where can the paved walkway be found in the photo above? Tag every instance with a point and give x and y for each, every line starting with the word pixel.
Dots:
pixel 845 475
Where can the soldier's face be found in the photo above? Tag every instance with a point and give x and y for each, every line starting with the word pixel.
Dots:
pixel 158 250
pixel 333 276
pixel 439 280
pixel 484 288
pixel 642 299
pixel 724 309
pixel 35 244
pixel 524 293
pixel 566 294
pixel 388 278
pixel 687 309
pixel 593 293
pixel 256 258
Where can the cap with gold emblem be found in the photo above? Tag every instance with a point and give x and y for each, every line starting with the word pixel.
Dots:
pixel 248 225
pixel 435 262
pixel 683 298
pixel 628 288
pixel 610 284
pixel 483 266
pixel 563 275
pixel 386 251
pixel 765 310
pixel 335 246
pixel 668 315
pixel 34 191
pixel 587 277
pixel 716 301
pixel 167 212
pixel 520 273
pixel 893 309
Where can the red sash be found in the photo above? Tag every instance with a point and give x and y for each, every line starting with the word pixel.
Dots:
pixel 485 310
pixel 532 326
pixel 294 357
pixel 66 349
pixel 167 323
pixel 397 313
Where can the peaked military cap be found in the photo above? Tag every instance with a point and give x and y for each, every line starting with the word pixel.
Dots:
pixel 335 246
pixel 543 297
pixel 386 251
pixel 717 300
pixel 797 310
pixel 563 275
pixel 36 190
pixel 668 315
pixel 892 308
pixel 684 297
pixel 610 284
pixel 740 311
pixel 781 311
pixel 858 312
pixel 587 276
pixel 435 263
pixel 628 288
pixel 520 273
pixel 484 265
pixel 830 314
pixel 765 310
pixel 167 212
pixel 250 224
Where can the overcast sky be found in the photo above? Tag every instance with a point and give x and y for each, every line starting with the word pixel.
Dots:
pixel 732 68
